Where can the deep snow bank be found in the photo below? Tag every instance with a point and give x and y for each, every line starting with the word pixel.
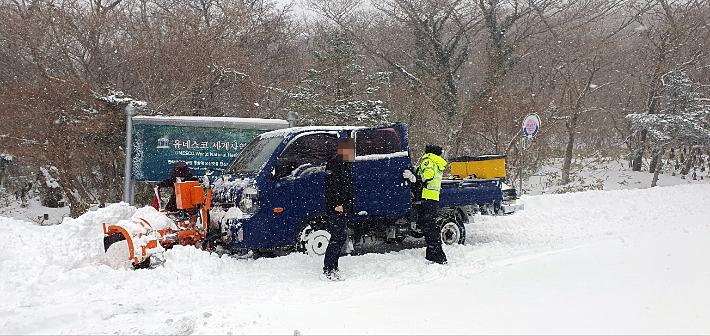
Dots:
pixel 56 280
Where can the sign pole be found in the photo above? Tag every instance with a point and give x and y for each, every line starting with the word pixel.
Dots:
pixel 292 117
pixel 522 162
pixel 127 185
pixel 531 125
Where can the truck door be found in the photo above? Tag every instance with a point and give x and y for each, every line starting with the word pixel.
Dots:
pixel 299 174
pixel 381 155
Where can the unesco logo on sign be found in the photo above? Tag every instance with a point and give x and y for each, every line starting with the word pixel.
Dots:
pixel 163 142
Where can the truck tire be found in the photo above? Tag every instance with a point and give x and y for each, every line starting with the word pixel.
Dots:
pixel 317 243
pixel 313 237
pixel 452 230
pixel 487 209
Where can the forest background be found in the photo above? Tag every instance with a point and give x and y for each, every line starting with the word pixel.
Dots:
pixel 607 78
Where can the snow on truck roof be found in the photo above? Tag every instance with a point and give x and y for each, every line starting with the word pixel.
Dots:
pixel 224 122
pixel 295 130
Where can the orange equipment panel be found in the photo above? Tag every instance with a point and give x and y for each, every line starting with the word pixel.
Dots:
pixel 188 194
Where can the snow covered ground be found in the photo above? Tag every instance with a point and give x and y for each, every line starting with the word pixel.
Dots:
pixel 620 261
pixel 596 172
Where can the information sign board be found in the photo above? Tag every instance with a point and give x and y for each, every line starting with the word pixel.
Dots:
pixel 202 142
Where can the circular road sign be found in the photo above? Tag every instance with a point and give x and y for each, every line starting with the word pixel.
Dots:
pixel 531 125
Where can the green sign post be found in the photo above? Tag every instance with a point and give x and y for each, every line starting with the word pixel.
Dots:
pixel 202 142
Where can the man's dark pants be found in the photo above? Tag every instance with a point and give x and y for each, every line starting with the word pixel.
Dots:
pixel 432 234
pixel 338 227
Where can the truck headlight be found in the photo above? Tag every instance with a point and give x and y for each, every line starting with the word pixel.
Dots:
pixel 249 201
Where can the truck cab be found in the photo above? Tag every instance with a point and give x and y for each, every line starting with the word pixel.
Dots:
pixel 272 194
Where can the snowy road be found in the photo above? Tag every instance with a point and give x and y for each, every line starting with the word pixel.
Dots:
pixel 626 261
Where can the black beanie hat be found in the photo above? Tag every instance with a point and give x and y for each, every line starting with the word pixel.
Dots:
pixel 434 149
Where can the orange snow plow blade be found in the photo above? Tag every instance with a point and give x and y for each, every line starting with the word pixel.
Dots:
pixel 138 250
pixel 186 226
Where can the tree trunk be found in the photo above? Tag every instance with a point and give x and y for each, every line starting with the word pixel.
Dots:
pixel 688 163
pixel 637 155
pixel 657 165
pixel 567 163
pixel 654 162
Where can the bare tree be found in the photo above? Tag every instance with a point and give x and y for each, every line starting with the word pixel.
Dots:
pixel 338 89
pixel 665 35
pixel 58 126
pixel 579 56
pixel 440 32
pixel 510 30
pixel 210 57
pixel 462 73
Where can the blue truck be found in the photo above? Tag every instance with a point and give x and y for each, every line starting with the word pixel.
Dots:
pixel 271 197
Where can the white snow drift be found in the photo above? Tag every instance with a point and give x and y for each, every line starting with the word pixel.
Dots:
pixel 626 261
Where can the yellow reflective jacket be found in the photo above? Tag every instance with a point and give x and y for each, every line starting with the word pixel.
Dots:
pixel 431 169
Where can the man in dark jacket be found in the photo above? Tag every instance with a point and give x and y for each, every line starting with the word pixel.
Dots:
pixel 182 171
pixel 340 203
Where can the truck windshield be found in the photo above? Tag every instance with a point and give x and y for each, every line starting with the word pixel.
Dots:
pixel 252 159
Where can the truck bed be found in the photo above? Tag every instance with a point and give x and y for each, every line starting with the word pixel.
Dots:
pixel 460 192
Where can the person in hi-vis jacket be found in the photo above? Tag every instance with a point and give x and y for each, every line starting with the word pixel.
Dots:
pixel 431 171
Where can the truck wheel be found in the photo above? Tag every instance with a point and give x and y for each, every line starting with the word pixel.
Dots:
pixel 452 231
pixel 317 243
pixel 313 239
pixel 487 209
pixel 498 208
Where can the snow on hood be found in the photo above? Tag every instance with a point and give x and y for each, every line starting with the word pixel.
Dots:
pixel 232 215
pixel 227 191
pixel 227 188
